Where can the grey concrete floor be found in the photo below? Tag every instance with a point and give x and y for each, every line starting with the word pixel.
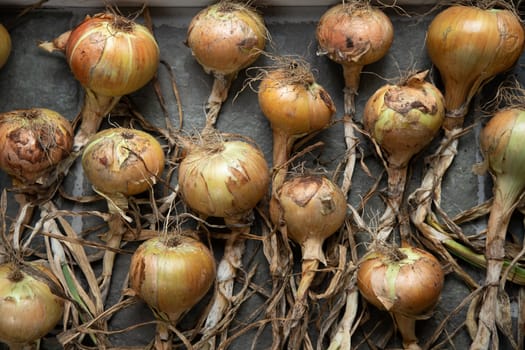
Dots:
pixel 33 78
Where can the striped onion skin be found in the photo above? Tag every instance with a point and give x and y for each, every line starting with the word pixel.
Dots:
pixel 112 55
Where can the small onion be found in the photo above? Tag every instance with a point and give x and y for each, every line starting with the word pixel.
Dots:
pixel 354 34
pixel 226 179
pixel 171 275
pixel 112 55
pixel 224 38
pixel 28 306
pixel 403 119
pixel 5 45
pixel 33 142
pixel 406 282
pixel 469 46
pixel 122 161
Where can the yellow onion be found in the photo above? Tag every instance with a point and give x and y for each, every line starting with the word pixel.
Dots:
pixel 226 179
pixel 295 105
pixel 122 161
pixel 354 34
pixel 469 46
pixel 33 142
pixel 312 208
pixel 224 38
pixel 406 282
pixel 172 275
pixel 112 55
pixel 502 142
pixel 5 45
pixel 403 119
pixel 28 306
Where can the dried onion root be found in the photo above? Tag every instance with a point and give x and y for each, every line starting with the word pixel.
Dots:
pixel 119 163
pixel 224 178
pixel 225 38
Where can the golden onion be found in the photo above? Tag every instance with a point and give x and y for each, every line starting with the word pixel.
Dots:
pixel 5 45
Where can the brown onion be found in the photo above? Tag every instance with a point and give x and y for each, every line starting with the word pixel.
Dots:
pixel 28 306
pixel 469 46
pixel 354 34
pixel 225 179
pixel 406 282
pixel 122 161
pixel 172 274
pixel 33 142
pixel 224 38
pixel 312 209
pixel 5 45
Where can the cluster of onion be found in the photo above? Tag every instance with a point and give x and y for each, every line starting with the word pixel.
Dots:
pixel 111 56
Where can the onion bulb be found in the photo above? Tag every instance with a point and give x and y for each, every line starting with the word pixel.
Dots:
pixel 406 282
pixel 225 38
pixel 33 141
pixel 172 274
pixel 119 163
pixel 312 209
pixel 469 46
pixel 5 45
pixel 225 179
pixel 110 56
pixel 502 142
pixel 295 105
pixel 28 305
pixel 122 161
pixel 354 34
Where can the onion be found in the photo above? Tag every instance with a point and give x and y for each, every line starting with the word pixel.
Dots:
pixel 225 38
pixel 402 120
pixel 28 305
pixel 406 282
pixel 469 46
pixel 110 56
pixel 5 45
pixel 224 178
pixel 502 141
pixel 312 209
pixel 354 34
pixel 33 142
pixel 119 163
pixel 295 105
pixel 172 274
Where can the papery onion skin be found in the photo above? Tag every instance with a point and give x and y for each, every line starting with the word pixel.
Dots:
pixel 405 118
pixel 410 286
pixel 224 181
pixel 226 37
pixel 355 33
pixel 28 307
pixel 172 276
pixel 469 46
pixel 5 45
pixel 294 107
pixel 313 208
pixel 33 141
pixel 122 160
pixel 112 55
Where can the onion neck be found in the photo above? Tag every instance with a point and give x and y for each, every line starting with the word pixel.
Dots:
pixel 407 327
pixel 219 94
pixel 352 76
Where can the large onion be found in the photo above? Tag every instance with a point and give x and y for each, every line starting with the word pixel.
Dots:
pixel 224 38
pixel 406 282
pixel 172 274
pixel 28 306
pixel 33 142
pixel 5 45
pixel 110 56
